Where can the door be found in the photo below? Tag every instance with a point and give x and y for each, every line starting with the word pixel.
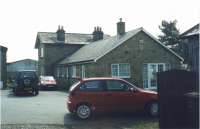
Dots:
pixel 150 74
pixel 123 99
pixel 93 92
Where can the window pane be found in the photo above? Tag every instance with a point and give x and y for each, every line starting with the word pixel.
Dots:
pixel 73 71
pixel 42 52
pixel 145 76
pixel 167 67
pixel 83 71
pixel 115 86
pixel 160 67
pixel 93 86
pixel 124 70
pixel 66 70
pixel 114 70
pixel 58 72
pixel 152 71
pixel 70 71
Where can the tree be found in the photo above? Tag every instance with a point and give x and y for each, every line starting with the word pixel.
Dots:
pixel 170 33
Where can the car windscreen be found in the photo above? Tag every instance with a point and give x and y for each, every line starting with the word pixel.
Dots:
pixel 74 85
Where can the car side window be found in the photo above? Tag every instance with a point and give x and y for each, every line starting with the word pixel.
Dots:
pixel 115 85
pixel 92 86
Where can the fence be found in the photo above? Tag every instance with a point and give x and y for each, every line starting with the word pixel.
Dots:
pixel 172 89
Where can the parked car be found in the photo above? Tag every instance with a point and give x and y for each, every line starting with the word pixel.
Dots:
pixel 26 81
pixel 46 82
pixel 92 95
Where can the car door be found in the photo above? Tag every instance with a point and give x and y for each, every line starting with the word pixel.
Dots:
pixel 123 98
pixel 94 93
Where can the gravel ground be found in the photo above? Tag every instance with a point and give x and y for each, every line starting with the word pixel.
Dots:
pixel 32 126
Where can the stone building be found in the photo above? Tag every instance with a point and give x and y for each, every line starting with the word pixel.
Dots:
pixel 190 43
pixel 134 55
pixel 25 64
pixel 54 47
pixel 3 72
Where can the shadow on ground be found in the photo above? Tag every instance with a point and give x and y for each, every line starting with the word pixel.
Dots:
pixel 112 121
pixel 19 95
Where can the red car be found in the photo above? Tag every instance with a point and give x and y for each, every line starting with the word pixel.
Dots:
pixel 109 95
pixel 46 82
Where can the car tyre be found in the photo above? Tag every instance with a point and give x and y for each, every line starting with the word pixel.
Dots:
pixel 83 111
pixel 152 109
pixel 15 91
pixel 35 92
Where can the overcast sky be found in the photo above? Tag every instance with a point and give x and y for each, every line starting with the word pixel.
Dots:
pixel 22 19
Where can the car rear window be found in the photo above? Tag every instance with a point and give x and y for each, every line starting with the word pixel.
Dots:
pixel 47 78
pixel 27 74
pixel 92 86
pixel 114 85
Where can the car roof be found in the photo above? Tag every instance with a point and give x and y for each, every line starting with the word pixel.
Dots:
pixel 100 78
pixel 26 71
pixel 46 76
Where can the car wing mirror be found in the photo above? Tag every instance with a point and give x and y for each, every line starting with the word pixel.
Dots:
pixel 133 89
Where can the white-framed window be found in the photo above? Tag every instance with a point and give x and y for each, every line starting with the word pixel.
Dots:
pixel 57 72
pixel 150 74
pixel 121 70
pixel 62 72
pixel 83 71
pixel 73 71
pixel 41 52
pixel 67 72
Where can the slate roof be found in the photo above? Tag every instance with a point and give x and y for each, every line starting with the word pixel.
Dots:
pixel 96 50
pixel 22 61
pixel 192 31
pixel 70 38
pixel 3 48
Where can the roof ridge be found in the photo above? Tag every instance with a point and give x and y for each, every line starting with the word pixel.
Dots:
pixel 188 30
pixel 22 60
pixel 121 40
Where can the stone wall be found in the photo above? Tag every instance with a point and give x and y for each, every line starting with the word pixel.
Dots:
pixel 53 54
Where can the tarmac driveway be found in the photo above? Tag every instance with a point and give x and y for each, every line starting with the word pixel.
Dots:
pixel 49 108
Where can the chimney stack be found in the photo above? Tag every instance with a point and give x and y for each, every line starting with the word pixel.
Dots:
pixel 120 28
pixel 60 34
pixel 97 34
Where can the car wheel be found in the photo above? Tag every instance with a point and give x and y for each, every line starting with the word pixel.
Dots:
pixel 153 109
pixel 15 91
pixel 35 92
pixel 83 111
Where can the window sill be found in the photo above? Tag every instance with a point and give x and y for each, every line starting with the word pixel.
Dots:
pixel 122 76
pixel 151 88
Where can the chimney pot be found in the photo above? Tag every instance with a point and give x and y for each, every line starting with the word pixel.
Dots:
pixel 60 34
pixel 98 33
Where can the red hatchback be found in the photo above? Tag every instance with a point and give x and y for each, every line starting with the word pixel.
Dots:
pixel 109 95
